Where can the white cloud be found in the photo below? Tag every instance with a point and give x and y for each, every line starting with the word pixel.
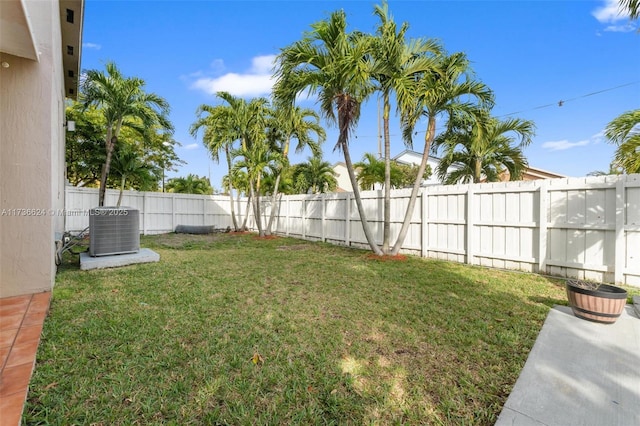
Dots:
pixel 564 144
pixel 91 46
pixel 610 12
pixel 256 81
pixel 192 146
pixel 627 28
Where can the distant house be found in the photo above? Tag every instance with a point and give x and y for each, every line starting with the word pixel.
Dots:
pixel 414 158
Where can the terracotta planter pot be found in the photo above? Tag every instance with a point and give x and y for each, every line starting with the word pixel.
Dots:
pixel 603 304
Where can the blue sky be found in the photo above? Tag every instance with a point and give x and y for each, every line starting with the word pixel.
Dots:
pixel 532 54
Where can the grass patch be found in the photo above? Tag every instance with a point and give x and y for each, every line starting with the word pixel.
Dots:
pixel 228 329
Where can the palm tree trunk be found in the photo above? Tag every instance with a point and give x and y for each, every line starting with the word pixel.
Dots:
pixel 274 204
pixel 122 182
pixel 256 209
pixel 246 216
pixel 477 171
pixel 109 144
pixel 356 195
pixel 233 211
pixel 387 177
pixel 428 139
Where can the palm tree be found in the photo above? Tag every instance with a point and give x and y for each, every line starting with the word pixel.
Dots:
pixel 257 159
pixel 331 63
pixel 631 6
pixel 314 175
pixel 235 121
pixel 481 148
pixel 442 92
pixel 293 122
pixel 191 184
pixel 371 170
pixel 128 165
pixel 123 102
pixel 624 131
pixel 395 63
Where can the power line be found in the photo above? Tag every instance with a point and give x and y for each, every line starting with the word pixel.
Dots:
pixel 564 101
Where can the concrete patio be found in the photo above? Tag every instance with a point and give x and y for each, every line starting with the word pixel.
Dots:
pixel 580 373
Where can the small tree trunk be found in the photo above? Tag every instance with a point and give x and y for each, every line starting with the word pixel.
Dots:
pixel 274 204
pixel 110 142
pixel 233 211
pixel 386 231
pixel 428 139
pixel 246 216
pixel 356 195
pixel 122 182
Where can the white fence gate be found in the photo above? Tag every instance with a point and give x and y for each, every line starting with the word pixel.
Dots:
pixel 586 228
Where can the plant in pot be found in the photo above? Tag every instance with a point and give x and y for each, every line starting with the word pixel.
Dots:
pixel 596 302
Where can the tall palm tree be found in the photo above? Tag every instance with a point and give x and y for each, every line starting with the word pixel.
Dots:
pixel 481 148
pixel 447 90
pixel 293 122
pixel 395 64
pixel 236 121
pixel 331 63
pixel 128 165
pixel 624 131
pixel 191 184
pixel 314 175
pixel 123 102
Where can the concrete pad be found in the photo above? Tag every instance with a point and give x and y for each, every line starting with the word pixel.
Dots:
pixel 145 255
pixel 579 373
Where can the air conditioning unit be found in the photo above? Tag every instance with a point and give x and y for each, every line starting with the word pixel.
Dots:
pixel 113 230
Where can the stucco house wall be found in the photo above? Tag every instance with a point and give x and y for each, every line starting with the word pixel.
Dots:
pixel 32 136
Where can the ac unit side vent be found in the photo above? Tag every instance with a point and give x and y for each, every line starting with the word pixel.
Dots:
pixel 113 230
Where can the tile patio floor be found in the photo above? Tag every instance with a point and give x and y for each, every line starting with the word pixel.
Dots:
pixel 21 320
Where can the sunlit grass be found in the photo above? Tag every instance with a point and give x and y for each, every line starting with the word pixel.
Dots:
pixel 229 329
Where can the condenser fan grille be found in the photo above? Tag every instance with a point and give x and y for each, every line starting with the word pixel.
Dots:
pixel 113 230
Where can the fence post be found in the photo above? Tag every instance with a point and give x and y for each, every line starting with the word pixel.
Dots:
pixel 324 205
pixel 620 252
pixel 470 223
pixel 424 244
pixel 287 219
pixel 173 212
pixel 304 218
pixel 144 213
pixel 347 221
pixel 542 227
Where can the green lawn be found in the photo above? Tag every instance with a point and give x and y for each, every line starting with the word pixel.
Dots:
pixel 229 329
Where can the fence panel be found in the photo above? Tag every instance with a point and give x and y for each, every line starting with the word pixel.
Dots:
pixel 587 228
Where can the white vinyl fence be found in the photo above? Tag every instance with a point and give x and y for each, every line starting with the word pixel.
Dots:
pixel 587 228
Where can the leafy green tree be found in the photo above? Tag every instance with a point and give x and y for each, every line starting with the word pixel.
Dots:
pixel 446 91
pixel 396 63
pixel 624 131
pixel 127 164
pixel 124 103
pixel 333 64
pixel 84 154
pixel 293 122
pixel 483 149
pixel 315 176
pixel 191 184
pixel 236 121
